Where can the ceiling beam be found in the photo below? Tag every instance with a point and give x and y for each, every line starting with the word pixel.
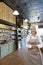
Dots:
pixel 1 0
pixel 7 23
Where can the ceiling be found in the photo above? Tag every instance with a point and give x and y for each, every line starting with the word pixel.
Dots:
pixel 29 9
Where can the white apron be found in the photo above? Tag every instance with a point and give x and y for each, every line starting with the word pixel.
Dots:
pixel 34 54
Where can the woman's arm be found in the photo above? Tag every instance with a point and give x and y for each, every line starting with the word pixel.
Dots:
pixel 40 42
pixel 28 45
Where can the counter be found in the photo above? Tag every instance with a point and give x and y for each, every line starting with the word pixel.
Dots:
pixel 7 48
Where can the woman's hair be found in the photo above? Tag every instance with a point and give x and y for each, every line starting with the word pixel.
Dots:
pixel 33 27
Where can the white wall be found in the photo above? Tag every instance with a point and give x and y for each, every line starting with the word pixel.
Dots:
pixel 40 31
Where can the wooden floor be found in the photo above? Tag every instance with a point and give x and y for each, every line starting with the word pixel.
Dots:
pixel 18 57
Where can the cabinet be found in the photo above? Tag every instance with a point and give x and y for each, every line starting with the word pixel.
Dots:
pixel 8 46
pixel 0 10
pixel 11 47
pixel 10 15
pixel 6 13
pixel 6 49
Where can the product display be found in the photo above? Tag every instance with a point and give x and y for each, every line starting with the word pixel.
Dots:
pixel 7 35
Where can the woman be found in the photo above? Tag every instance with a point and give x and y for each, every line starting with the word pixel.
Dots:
pixel 33 42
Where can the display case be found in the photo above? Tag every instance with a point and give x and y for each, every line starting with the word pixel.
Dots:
pixel 7 41
pixel 7 34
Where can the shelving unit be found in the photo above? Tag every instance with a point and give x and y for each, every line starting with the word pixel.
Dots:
pixel 19 38
pixel 24 33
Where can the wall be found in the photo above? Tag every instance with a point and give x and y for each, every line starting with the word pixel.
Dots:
pixel 25 24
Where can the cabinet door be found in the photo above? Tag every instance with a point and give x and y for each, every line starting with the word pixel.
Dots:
pixel 0 10
pixel 10 15
pixel 4 50
pixel 5 12
pixel 11 47
pixel 14 19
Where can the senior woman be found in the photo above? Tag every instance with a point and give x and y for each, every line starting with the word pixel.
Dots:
pixel 32 42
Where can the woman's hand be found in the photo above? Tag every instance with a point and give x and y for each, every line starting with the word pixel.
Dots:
pixel 37 42
pixel 34 46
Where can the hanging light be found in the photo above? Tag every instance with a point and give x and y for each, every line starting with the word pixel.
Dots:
pixel 15 12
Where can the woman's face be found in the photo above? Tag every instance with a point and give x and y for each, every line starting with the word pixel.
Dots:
pixel 33 31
